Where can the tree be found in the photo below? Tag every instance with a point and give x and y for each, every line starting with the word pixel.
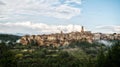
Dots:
pixel 100 58
pixel 6 56
pixel 112 58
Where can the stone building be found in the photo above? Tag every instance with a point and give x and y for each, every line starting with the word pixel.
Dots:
pixel 58 39
pixel 64 39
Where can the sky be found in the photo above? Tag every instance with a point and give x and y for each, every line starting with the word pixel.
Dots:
pixel 53 16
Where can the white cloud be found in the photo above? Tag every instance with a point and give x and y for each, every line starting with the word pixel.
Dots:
pixel 73 1
pixel 109 28
pixel 2 9
pixel 36 28
pixel 52 8
pixel 1 3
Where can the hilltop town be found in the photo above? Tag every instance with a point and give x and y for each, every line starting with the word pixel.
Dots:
pixel 64 39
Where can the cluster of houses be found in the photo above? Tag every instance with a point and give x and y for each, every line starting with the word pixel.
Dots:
pixel 64 39
pixel 101 36
pixel 58 39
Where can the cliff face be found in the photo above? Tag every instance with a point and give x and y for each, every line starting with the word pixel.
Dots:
pixel 56 40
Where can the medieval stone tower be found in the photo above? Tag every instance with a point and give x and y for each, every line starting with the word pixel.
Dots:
pixel 82 29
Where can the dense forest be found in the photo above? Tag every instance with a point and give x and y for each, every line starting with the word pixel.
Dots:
pixel 9 37
pixel 77 54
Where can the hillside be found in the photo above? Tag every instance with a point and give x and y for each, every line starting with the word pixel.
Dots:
pixel 9 37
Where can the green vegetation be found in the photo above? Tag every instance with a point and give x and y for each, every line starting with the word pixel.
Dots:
pixel 9 37
pixel 77 54
pixel 6 56
pixel 111 58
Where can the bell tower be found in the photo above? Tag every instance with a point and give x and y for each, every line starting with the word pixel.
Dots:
pixel 82 29
pixel 61 32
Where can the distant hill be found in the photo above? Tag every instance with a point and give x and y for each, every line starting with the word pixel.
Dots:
pixel 9 37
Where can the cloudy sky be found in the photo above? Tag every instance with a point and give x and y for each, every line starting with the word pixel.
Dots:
pixel 52 16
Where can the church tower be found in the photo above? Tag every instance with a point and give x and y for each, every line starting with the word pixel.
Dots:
pixel 61 32
pixel 82 29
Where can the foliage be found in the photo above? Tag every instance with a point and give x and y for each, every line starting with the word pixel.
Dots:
pixel 6 56
pixel 111 58
pixel 9 37
pixel 78 54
